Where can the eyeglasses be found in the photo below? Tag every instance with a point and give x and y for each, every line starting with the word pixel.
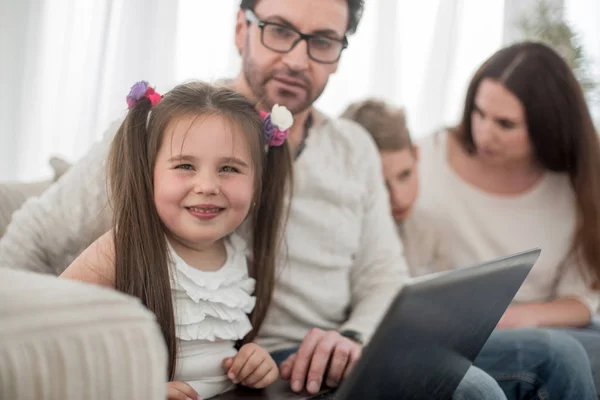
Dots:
pixel 282 39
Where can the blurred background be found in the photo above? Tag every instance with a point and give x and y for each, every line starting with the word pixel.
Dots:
pixel 67 64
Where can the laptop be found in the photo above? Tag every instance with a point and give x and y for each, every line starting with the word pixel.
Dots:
pixel 429 337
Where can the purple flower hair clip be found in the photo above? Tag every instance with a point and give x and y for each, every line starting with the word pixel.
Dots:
pixel 139 90
pixel 277 124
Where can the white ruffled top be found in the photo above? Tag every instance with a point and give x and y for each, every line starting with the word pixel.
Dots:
pixel 211 314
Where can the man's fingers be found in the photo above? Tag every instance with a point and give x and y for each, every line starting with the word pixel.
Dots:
pixel 355 355
pixel 304 358
pixel 338 364
pixel 320 360
pixel 285 369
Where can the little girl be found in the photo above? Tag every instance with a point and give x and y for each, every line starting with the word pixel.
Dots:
pixel 185 171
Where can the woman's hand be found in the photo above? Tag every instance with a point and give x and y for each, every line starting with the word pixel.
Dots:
pixel 181 391
pixel 251 367
pixel 565 312
pixel 518 316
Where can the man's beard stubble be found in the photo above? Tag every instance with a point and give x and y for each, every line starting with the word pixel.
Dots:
pixel 257 84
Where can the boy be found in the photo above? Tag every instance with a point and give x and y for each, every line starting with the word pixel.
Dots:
pixel 423 248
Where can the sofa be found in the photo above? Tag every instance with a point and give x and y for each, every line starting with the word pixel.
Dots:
pixel 67 340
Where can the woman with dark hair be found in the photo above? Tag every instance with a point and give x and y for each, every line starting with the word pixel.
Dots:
pixel 522 170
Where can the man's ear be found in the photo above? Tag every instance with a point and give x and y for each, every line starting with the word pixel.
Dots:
pixel 241 31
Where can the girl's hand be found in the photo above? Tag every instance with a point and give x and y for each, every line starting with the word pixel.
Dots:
pixel 252 367
pixel 181 391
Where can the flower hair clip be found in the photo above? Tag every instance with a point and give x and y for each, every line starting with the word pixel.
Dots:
pixel 139 90
pixel 276 125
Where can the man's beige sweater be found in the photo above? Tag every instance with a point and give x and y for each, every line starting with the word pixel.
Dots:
pixel 344 259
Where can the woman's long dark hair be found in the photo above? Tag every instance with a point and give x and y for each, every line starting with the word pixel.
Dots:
pixel 560 129
pixel 141 253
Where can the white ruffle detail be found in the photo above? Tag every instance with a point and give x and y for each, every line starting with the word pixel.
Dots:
pixel 230 296
pixel 214 329
pixel 237 244
pixel 214 305
pixel 191 312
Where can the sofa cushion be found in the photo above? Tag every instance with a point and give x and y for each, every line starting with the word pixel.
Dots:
pixel 14 194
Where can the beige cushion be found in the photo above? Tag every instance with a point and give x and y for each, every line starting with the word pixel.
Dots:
pixel 59 166
pixel 14 194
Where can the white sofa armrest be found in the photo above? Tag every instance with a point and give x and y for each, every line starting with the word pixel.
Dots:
pixel 61 339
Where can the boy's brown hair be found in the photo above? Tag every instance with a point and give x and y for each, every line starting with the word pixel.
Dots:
pixel 386 124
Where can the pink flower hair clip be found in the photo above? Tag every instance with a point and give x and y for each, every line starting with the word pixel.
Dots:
pixel 139 90
pixel 276 125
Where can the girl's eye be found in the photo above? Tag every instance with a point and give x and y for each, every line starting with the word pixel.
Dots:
pixel 229 169
pixel 185 166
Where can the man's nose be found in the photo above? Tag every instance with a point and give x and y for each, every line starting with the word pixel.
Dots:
pixel 297 59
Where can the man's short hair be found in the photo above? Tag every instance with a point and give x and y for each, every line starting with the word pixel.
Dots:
pixel 355 10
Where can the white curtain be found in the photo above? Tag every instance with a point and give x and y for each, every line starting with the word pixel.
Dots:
pixel 67 65
pixel 417 54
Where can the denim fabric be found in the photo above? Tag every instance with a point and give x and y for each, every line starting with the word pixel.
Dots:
pixel 538 364
pixel 280 356
pixel 589 338
pixel 477 384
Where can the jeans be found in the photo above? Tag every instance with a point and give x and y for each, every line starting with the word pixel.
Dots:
pixel 538 364
pixel 523 364
pixel 590 339
pixel 477 384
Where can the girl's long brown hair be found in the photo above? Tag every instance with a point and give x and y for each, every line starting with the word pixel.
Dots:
pixel 141 253
pixel 560 129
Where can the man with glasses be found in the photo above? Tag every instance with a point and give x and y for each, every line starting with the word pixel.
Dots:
pixel 323 48
pixel 344 260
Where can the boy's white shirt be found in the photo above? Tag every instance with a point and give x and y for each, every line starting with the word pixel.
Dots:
pixel 424 250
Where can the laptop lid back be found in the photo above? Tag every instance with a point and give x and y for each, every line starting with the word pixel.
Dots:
pixel 434 330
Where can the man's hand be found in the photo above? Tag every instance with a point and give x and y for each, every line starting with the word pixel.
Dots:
pixel 318 351
pixel 252 367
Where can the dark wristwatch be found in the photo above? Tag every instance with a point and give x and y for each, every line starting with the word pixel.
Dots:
pixel 353 335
